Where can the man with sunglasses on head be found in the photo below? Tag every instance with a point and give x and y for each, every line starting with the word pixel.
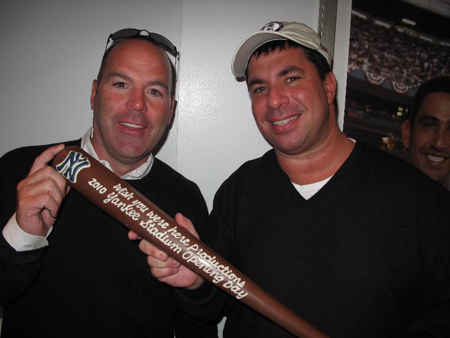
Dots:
pixel 66 268
pixel 353 240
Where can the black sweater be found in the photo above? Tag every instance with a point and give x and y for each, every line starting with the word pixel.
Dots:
pixel 367 256
pixel 92 281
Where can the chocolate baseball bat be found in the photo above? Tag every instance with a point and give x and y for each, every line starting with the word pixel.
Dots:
pixel 124 203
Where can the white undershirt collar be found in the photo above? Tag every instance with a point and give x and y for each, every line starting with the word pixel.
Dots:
pixel 309 190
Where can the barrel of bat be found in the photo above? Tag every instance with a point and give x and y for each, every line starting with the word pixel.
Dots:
pixel 128 206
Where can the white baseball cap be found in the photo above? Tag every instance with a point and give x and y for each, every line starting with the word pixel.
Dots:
pixel 277 30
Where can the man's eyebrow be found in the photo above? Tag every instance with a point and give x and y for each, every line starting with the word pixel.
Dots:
pixel 149 83
pixel 254 81
pixel 283 72
pixel 122 76
pixel 292 69
pixel 427 118
pixel 158 83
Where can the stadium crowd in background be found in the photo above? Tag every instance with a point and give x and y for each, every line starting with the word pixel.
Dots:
pixel 393 55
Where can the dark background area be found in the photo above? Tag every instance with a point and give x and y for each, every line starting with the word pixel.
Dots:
pixel 428 22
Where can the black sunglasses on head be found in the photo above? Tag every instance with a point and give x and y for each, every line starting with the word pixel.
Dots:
pixel 127 33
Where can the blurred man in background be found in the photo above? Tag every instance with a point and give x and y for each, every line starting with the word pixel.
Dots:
pixel 427 132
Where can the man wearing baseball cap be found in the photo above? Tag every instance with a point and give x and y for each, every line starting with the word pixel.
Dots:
pixel 353 240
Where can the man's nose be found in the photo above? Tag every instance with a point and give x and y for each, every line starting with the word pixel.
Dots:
pixel 441 140
pixel 276 98
pixel 137 101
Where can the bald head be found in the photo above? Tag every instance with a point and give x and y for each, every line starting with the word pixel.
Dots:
pixel 141 41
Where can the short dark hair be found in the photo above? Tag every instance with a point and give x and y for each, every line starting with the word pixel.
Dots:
pixel 440 84
pixel 315 57
pixel 143 38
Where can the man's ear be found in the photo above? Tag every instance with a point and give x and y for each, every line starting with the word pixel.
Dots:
pixel 406 134
pixel 93 92
pixel 173 105
pixel 330 86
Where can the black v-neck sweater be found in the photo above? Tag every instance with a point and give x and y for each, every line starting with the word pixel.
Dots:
pixel 367 256
pixel 92 281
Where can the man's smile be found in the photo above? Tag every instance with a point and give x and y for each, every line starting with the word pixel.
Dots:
pixel 283 122
pixel 435 158
pixel 131 125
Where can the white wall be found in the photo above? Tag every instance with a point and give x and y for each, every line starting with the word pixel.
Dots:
pixel 51 51
pixel 344 14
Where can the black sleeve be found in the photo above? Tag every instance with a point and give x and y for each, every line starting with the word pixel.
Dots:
pixel 432 315
pixel 187 325
pixel 190 327
pixel 208 302
pixel 17 269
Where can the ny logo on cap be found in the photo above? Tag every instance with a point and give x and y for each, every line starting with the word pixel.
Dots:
pixel 273 26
